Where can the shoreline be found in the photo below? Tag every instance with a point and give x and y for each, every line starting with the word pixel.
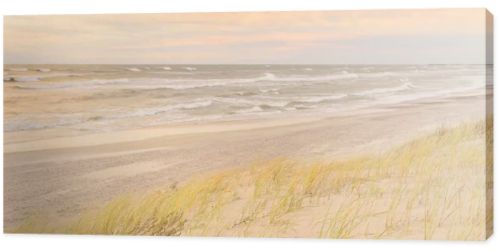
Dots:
pixel 14 142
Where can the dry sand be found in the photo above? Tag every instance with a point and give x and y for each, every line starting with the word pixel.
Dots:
pixel 61 177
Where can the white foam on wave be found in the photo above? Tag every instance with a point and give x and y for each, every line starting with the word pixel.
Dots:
pixel 379 74
pixel 319 99
pixel 133 69
pixel 254 101
pixel 262 109
pixel 194 105
pixel 388 90
pixel 258 109
pixel 167 68
pixel 272 91
pixel 437 93
pixel 308 78
pixel 190 85
pixel 253 109
pixel 407 83
pixel 188 68
pixel 108 81
pixel 183 84
pixel 151 111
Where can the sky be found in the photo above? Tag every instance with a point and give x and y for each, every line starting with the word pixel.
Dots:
pixel 439 36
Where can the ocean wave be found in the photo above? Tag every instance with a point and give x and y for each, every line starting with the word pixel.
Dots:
pixel 403 87
pixel 309 78
pixel 182 84
pixel 44 74
pixel 17 125
pixel 179 84
pixel 21 79
pixel 312 102
pixel 260 109
pixel 290 103
pixel 191 85
pixel 253 109
pixel 43 69
pixel 189 68
pixel 320 99
pixel 157 110
pixel 36 123
pixel 20 87
pixel 407 83
pixel 193 105
pixel 379 74
pixel 86 84
pixel 236 101
pixel 18 69
pixel 133 69
pixel 247 93
pixel 272 91
pixel 108 81
pixel 167 68
pixel 182 106
pixel 254 100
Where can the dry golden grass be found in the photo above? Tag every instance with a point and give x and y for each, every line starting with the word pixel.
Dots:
pixel 431 188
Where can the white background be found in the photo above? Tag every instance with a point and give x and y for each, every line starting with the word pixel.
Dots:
pixel 58 242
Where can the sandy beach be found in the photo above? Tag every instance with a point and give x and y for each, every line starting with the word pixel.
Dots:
pixel 60 178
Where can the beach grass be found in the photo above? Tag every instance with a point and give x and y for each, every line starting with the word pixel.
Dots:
pixel 433 187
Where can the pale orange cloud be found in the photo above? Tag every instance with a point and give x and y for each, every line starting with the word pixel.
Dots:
pixel 236 36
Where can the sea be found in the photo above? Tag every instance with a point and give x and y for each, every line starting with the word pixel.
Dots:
pixel 115 97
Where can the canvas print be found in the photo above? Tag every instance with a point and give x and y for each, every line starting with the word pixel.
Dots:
pixel 366 124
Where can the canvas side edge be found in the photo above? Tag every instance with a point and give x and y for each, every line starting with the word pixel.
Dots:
pixel 489 37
